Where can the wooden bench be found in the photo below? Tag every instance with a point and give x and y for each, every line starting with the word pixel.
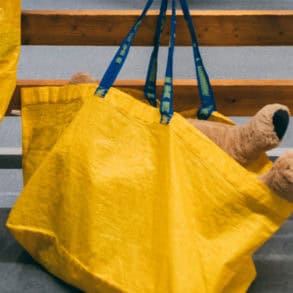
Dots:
pixel 234 97
pixel 214 28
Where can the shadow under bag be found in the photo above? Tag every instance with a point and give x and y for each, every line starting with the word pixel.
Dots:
pixel 126 196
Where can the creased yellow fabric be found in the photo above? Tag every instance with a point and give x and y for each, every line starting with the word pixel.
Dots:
pixel 9 50
pixel 114 201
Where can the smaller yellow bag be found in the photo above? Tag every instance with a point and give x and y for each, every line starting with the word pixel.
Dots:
pixel 9 50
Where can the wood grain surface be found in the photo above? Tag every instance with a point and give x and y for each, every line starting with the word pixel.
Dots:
pixel 233 97
pixel 106 28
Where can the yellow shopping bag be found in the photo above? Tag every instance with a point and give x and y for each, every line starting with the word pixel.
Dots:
pixel 9 50
pixel 123 202
pixel 119 200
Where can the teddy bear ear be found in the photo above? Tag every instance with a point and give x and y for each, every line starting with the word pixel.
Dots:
pixel 81 77
pixel 280 121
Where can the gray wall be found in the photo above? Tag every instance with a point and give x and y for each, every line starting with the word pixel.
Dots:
pixel 137 4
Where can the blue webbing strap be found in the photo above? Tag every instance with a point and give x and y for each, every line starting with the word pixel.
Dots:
pixel 151 79
pixel 120 56
pixel 208 104
pixel 166 106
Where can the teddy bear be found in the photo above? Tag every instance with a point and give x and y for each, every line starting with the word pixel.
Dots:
pixel 244 143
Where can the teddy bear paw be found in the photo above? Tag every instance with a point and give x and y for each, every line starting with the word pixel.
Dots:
pixel 280 177
pixel 280 122
pixel 271 122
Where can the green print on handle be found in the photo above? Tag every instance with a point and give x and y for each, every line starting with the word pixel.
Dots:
pixel 206 111
pixel 122 54
pixel 167 91
pixel 101 92
pixel 203 82
pixel 119 60
pixel 135 28
pixel 168 79
pixel 151 95
pixel 166 107
pixel 153 74
pixel 123 51
pixel 165 119
pixel 130 37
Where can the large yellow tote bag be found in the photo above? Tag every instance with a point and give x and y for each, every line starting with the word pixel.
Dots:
pixel 9 50
pixel 127 197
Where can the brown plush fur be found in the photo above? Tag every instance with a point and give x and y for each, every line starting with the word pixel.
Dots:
pixel 280 177
pixel 81 77
pixel 245 143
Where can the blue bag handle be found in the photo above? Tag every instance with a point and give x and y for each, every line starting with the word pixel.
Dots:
pixel 120 56
pixel 166 105
pixel 151 78
pixel 208 104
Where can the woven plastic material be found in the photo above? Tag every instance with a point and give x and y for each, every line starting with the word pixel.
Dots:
pixel 115 201
pixel 9 50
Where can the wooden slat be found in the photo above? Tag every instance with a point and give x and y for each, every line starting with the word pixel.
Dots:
pixel 214 28
pixel 11 158
pixel 234 97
